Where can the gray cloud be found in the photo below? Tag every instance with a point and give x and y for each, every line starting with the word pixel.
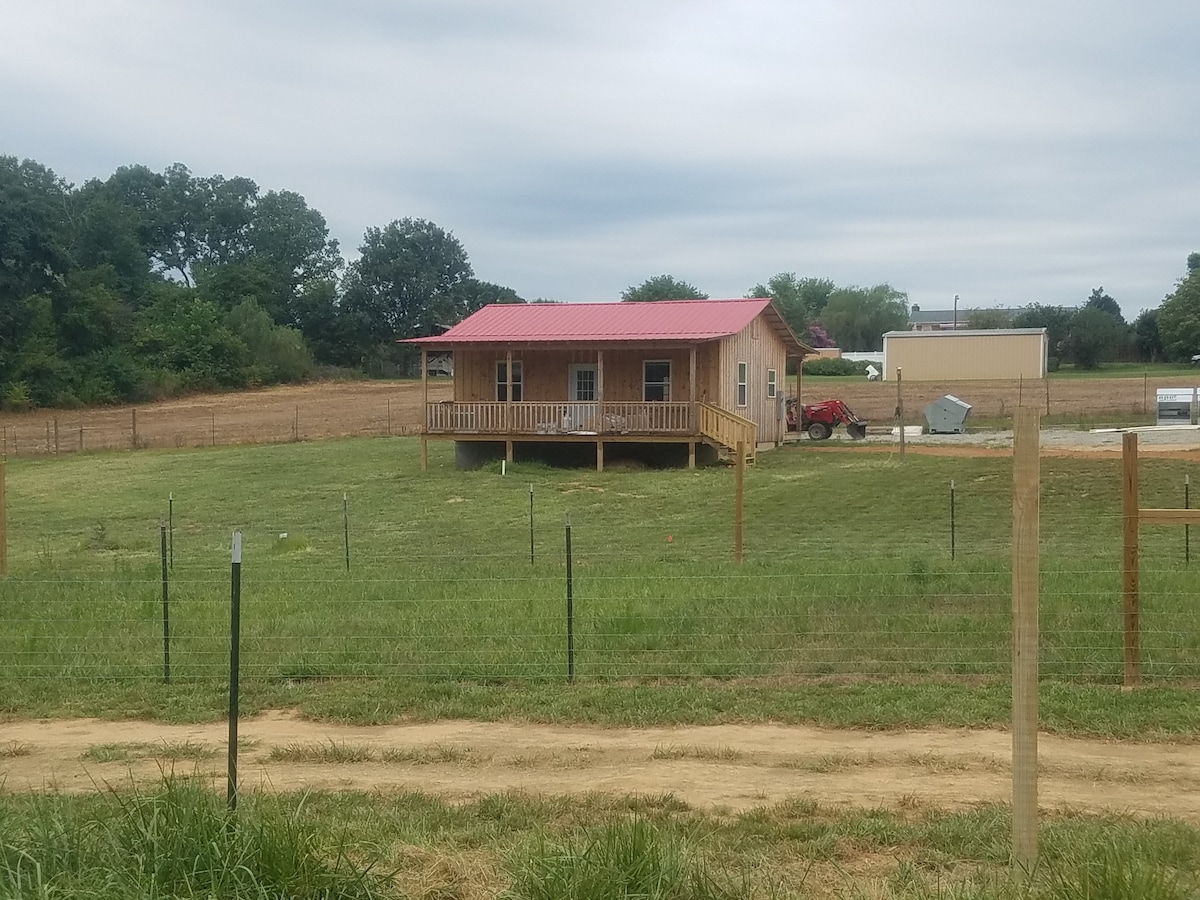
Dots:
pixel 1010 154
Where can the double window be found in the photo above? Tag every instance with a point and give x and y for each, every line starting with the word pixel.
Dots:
pixel 502 380
pixel 741 384
pixel 772 384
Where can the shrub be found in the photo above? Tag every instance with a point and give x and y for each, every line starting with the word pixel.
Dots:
pixel 17 397
pixel 834 367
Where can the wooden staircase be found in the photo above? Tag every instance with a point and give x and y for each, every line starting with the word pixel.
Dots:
pixel 725 430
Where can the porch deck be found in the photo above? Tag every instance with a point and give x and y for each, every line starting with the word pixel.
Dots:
pixel 579 421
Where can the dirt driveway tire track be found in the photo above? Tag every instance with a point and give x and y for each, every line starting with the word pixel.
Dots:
pixel 733 767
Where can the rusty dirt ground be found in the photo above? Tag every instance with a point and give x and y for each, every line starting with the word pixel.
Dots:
pixel 724 767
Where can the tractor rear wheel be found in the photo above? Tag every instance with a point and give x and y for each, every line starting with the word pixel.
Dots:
pixel 819 431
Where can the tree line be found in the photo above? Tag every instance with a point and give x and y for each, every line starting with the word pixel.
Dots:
pixel 855 318
pixel 149 284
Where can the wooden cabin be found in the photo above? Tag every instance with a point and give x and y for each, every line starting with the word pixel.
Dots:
pixel 683 374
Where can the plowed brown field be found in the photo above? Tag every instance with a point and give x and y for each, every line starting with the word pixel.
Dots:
pixel 349 408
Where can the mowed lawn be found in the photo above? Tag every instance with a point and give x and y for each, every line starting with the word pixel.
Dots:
pixel 847 584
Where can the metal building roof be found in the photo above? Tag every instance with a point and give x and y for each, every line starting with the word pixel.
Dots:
pixel 668 320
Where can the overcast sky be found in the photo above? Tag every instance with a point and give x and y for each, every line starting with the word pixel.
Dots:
pixel 1008 153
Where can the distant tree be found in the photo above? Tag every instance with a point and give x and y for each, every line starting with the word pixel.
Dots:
pixel 800 300
pixel 1193 262
pixel 857 318
pixel 406 283
pixel 1092 337
pixel 662 287
pixel 1179 318
pixel 989 319
pixel 473 294
pixel 1146 336
pixel 1055 319
pixel 1106 304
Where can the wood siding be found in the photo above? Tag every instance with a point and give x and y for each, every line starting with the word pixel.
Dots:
pixel 546 373
pixel 760 348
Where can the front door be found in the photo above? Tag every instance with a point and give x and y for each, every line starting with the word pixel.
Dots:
pixel 581 391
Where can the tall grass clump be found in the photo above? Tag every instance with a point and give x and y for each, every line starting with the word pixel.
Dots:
pixel 628 858
pixel 177 843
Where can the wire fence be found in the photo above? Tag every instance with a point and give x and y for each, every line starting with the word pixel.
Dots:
pixel 363 408
pixel 321 601
pixel 354 409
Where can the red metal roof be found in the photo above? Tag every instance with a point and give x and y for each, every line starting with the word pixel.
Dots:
pixel 668 320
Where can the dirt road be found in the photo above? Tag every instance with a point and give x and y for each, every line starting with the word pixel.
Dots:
pixel 731 767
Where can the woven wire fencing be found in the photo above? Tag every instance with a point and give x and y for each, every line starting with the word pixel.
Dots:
pixel 656 599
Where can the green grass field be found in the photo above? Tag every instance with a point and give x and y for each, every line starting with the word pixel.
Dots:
pixel 177 842
pixel 848 611
pixel 847 581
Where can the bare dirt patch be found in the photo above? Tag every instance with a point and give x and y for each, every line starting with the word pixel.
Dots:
pixel 733 767
pixel 360 408
pixel 272 415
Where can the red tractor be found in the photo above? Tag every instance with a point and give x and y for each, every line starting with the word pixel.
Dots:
pixel 819 419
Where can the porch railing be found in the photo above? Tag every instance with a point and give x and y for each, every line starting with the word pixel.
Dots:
pixel 528 418
pixel 727 428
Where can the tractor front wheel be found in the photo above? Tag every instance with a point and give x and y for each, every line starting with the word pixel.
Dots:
pixel 819 431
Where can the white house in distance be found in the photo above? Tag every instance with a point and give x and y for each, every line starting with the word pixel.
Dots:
pixel 961 355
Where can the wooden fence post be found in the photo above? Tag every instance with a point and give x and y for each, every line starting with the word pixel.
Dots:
pixel 1025 575
pixel 1131 521
pixel 3 521
pixel 738 492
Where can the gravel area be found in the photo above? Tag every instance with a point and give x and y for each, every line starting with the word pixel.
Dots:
pixel 1149 439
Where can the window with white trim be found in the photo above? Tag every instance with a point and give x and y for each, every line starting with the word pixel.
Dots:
pixel 741 384
pixel 502 380
pixel 772 384
pixel 656 380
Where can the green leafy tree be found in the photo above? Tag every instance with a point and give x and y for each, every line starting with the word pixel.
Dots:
pixel 1055 319
pixel 473 294
pixel 662 287
pixel 184 336
pixel 800 300
pixel 1179 318
pixel 1092 337
pixel 989 319
pixel 857 318
pixel 274 353
pixel 1106 304
pixel 1146 336
pixel 405 283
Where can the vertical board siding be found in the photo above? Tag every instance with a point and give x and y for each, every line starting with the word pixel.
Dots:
pixel 546 373
pixel 761 352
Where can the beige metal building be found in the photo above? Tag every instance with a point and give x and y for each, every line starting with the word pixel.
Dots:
pixel 965 355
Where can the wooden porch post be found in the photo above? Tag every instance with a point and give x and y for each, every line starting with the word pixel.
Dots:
pixel 692 401
pixel 599 391
pixel 424 406
pixel 599 455
pixel 508 383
